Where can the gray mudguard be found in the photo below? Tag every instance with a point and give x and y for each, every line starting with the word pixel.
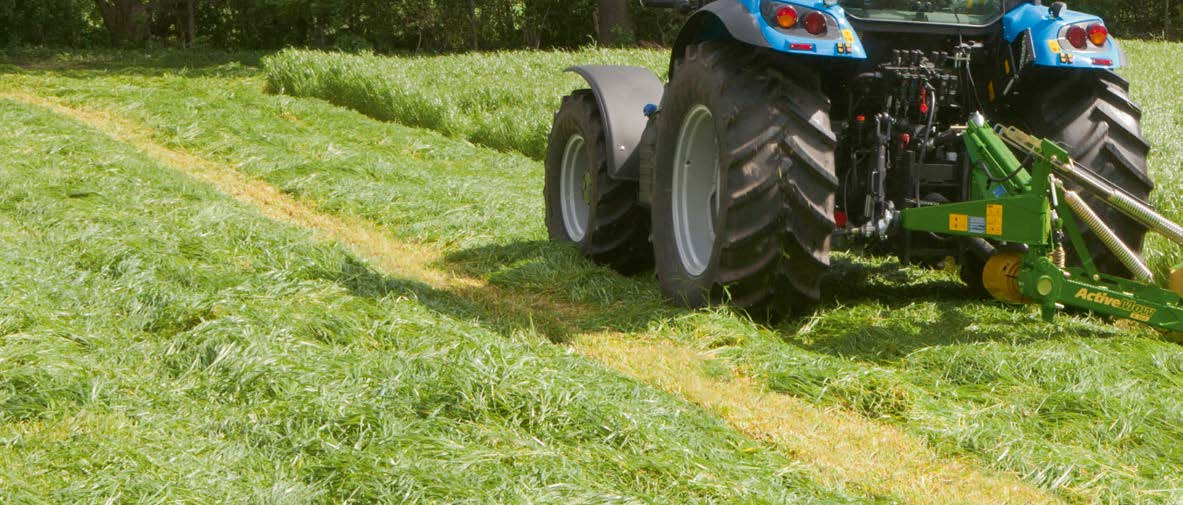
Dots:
pixel 721 20
pixel 622 93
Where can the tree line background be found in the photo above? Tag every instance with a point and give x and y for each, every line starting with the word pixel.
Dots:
pixel 408 25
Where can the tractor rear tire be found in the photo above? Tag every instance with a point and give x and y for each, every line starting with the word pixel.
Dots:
pixel 584 205
pixel 1091 114
pixel 744 185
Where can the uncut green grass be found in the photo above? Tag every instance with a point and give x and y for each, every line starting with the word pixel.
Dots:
pixel 1085 407
pixel 163 344
pixel 504 100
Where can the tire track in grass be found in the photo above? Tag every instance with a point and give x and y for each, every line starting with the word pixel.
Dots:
pixel 841 448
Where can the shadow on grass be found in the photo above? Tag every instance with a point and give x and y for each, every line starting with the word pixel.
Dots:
pixel 873 309
pixel 504 308
pixel 362 280
pixel 867 305
pixel 591 297
pixel 881 312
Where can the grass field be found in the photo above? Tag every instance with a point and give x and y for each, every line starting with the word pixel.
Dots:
pixel 164 345
pixel 151 322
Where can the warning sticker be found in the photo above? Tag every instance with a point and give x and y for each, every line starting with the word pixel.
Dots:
pixel 977 224
pixel 993 219
pixel 958 222
pixel 848 36
pixel 1054 45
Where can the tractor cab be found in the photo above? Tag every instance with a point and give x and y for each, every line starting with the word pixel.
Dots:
pixel 951 12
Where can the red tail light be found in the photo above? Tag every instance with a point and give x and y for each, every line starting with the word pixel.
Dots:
pixel 1077 37
pixel 815 23
pixel 1098 34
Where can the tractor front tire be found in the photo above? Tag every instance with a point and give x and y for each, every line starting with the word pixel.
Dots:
pixel 1091 114
pixel 744 185
pixel 584 205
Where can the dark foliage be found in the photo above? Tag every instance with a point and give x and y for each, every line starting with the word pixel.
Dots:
pixel 49 22
pixel 401 25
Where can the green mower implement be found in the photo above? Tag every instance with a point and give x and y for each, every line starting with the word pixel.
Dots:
pixel 1025 207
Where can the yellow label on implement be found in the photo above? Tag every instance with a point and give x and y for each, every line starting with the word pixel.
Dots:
pixel 993 219
pixel 958 222
pixel 1054 45
pixel 848 36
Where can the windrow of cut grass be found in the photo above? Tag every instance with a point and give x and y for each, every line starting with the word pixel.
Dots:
pixel 502 100
pixel 163 344
pixel 1084 407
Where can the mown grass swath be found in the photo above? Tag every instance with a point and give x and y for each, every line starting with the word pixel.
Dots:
pixel 1085 407
pixel 163 344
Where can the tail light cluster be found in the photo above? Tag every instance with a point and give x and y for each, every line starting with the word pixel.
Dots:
pixel 1080 36
pixel 789 16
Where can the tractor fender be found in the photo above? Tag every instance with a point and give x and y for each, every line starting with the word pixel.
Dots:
pixel 743 21
pixel 718 20
pixel 622 94
pixel 1044 42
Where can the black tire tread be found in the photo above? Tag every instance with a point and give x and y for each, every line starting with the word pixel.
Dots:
pixel 1092 114
pixel 780 170
pixel 618 233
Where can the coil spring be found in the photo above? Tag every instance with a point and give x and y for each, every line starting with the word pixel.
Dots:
pixel 1059 256
pixel 1107 237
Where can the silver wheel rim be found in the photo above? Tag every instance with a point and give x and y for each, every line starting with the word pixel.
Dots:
pixel 695 189
pixel 573 188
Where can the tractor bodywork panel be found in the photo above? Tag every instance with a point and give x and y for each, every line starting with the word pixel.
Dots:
pixel 752 22
pixel 838 41
pixel 1045 38
pixel 748 21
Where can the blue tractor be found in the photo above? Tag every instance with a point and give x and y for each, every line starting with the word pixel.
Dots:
pixel 788 128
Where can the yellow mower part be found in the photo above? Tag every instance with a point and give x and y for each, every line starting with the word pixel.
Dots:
pixel 1000 277
pixel 1177 280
